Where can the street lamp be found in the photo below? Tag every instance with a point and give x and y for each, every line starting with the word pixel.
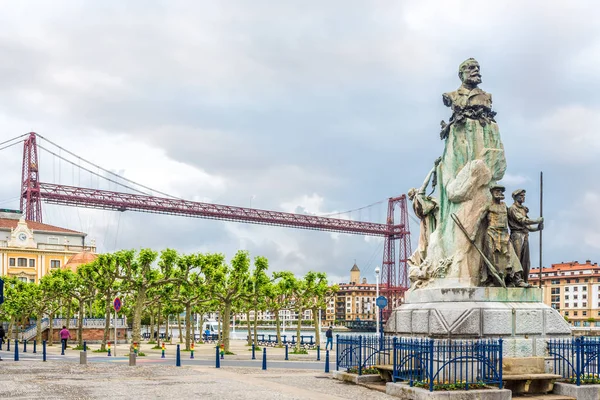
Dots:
pixel 377 296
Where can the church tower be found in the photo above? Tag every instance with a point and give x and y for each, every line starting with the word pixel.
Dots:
pixel 355 274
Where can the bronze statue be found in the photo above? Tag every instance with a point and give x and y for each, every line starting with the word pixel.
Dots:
pixel 520 226
pixel 425 208
pixel 496 243
pixel 468 101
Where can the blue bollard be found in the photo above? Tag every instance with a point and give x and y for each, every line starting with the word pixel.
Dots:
pixel 318 353
pixel 85 346
pixel 44 350
pixel 286 353
pixel 326 361
pixel 217 360
pixel 24 346
pixel 253 354
pixel 264 366
pixel 8 345
pixel 34 346
pixel 16 350
pixel 178 358
pixel 1 341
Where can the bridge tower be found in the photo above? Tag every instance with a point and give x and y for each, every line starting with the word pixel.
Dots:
pixel 394 278
pixel 31 202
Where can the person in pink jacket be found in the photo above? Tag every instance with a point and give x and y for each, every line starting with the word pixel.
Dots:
pixel 64 336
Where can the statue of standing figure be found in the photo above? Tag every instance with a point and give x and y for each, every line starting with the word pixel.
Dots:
pixel 497 246
pixel 425 208
pixel 520 226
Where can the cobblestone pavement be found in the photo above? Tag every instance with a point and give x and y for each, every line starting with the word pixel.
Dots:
pixel 63 380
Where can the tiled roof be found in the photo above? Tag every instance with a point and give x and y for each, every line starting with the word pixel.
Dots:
pixel 8 223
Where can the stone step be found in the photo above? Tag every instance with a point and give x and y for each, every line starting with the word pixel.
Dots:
pixel 530 383
pixel 544 397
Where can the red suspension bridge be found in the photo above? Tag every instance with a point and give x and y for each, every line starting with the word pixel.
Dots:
pixel 394 277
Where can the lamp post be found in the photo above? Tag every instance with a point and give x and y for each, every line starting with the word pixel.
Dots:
pixel 377 296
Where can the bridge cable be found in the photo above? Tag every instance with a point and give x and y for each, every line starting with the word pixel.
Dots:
pixel 108 171
pixel 92 172
pixel 350 211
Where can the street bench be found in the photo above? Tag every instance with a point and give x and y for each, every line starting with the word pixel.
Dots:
pixel 530 383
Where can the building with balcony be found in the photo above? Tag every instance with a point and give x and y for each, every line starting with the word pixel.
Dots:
pixel 573 289
pixel 355 301
pixel 29 250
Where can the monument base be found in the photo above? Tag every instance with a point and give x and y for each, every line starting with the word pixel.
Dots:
pixel 515 314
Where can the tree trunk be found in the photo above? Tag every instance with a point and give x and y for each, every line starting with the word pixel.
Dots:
pixel 298 330
pixel 68 314
pixel 151 327
pixel 226 318
pixel 50 328
pixel 188 311
pixel 38 330
pixel 136 331
pixel 105 337
pixel 179 328
pixel 11 326
pixel 278 327
pixel 255 326
pixel 249 329
pixel 80 325
pixel 158 320
pixel 166 329
pixel 315 313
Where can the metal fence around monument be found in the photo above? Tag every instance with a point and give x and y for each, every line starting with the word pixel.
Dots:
pixel 447 364
pixel 576 359
pixel 362 352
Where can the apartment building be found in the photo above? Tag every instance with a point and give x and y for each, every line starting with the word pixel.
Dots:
pixel 573 289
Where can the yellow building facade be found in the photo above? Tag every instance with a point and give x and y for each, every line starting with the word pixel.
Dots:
pixel 29 250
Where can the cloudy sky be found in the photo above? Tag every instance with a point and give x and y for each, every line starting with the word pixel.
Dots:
pixel 309 106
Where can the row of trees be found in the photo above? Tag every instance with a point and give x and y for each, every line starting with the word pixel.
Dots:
pixel 156 285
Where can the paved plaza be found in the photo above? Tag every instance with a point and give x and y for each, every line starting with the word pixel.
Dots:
pixel 62 377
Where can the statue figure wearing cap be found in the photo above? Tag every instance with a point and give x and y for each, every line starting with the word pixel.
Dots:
pixel 520 226
pixel 496 243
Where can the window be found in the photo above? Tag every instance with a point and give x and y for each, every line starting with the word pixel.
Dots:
pixel 555 291
pixel 567 305
pixel 32 280
pixel 22 279
pixel 567 313
pixel 586 280
pixel 31 263
pixel 584 289
pixel 584 296
pixel 576 288
pixel 566 288
pixel 577 280
pixel 21 262
pixel 54 263
pixel 576 323
pixel 575 313
pixel 568 281
pixel 566 297
pixel 555 282
pixel 12 263
pixel 584 313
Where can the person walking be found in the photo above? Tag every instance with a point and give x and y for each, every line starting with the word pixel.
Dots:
pixel 64 336
pixel 329 336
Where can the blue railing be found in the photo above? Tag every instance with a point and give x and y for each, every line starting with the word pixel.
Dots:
pixel 360 352
pixel 576 359
pixel 439 364
pixel 306 341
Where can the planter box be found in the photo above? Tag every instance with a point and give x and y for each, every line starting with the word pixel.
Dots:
pixel 355 378
pixel 583 392
pixel 406 392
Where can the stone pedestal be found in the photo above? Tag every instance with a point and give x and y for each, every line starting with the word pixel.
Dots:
pixel 515 314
